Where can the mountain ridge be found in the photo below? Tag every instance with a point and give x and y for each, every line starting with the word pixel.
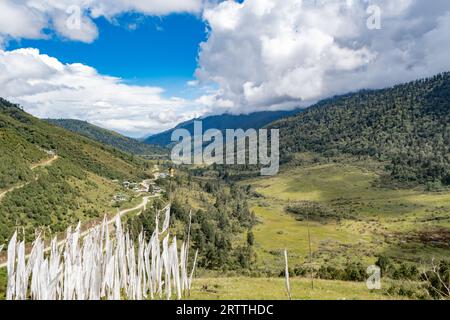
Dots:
pixel 108 137
pixel 407 125
pixel 256 120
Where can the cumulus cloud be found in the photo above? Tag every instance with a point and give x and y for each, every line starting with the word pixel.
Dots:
pixel 73 19
pixel 109 8
pixel 260 54
pixel 278 54
pixel 17 21
pixel 48 88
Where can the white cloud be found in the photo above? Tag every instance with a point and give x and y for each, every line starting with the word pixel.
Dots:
pixel 260 54
pixel 17 21
pixel 46 87
pixel 277 54
pixel 73 19
pixel 109 8
pixel 74 25
pixel 214 100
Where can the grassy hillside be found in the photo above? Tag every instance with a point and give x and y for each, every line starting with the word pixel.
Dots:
pixel 108 137
pixel 408 126
pixel 76 186
pixel 255 120
pixel 351 219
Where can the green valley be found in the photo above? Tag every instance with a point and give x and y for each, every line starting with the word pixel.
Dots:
pixel 356 189
pixel 353 221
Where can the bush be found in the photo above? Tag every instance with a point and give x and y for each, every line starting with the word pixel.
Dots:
pixel 438 280
pixel 406 271
pixel 313 210
pixel 350 272
pixel 403 271
pixel 409 290
pixel 385 264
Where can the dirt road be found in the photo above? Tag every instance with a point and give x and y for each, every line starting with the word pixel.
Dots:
pixel 34 166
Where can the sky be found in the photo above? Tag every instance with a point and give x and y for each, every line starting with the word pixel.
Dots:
pixel 142 66
pixel 141 50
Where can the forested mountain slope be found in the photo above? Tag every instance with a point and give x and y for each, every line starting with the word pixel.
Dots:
pixel 108 137
pixel 407 125
pixel 69 189
pixel 222 122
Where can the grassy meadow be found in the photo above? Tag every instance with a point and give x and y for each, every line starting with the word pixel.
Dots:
pixel 406 224
pixel 241 288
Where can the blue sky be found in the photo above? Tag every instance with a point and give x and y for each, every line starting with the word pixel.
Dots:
pixel 142 50
pixel 140 67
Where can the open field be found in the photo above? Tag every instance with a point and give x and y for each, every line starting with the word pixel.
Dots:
pixel 274 289
pixel 405 224
pixel 240 288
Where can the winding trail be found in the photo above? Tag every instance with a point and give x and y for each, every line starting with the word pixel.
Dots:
pixel 49 162
pixel 45 163
pixel 121 213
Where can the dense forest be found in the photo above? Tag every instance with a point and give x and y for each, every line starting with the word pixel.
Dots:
pixel 221 219
pixel 108 137
pixel 407 126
